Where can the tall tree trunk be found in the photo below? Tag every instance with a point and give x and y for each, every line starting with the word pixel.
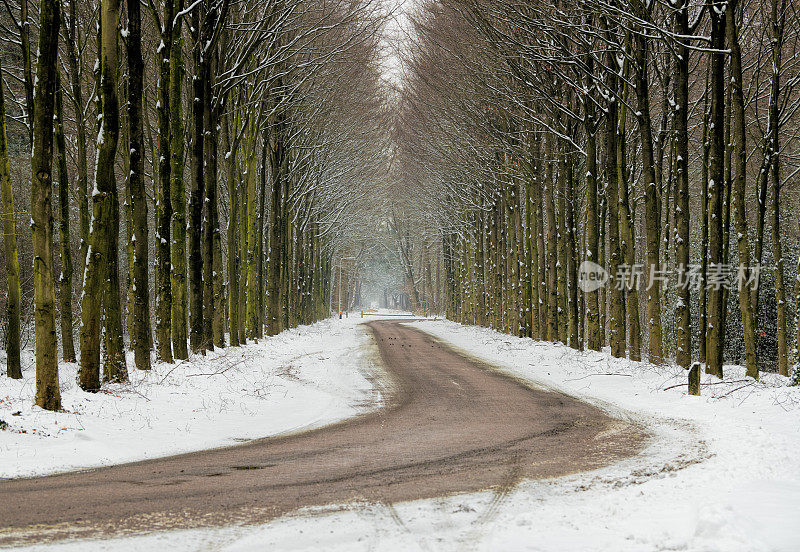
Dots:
pixel 276 155
pixel 615 294
pixel 778 11
pixel 683 332
pixel 218 322
pixel 532 260
pixel 13 365
pixel 179 293
pixel 552 247
pixel 48 395
pixel 209 205
pixel 251 238
pixel 99 256
pixel 233 220
pixel 572 260
pixel 739 160
pixel 197 191
pixel 651 198
pixel 140 332
pixel 627 238
pixel 561 266
pixel 114 369
pixel 65 279
pixel 714 337
pixel 260 231
pixel 594 336
pixel 164 196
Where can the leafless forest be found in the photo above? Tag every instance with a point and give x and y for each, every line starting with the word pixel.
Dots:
pixel 180 176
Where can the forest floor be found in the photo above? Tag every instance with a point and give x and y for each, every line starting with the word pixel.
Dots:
pixel 717 473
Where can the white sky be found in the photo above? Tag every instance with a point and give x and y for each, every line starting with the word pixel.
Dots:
pixel 396 37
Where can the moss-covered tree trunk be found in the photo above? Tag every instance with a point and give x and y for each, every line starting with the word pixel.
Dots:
pixel 615 294
pixel 683 333
pixel 218 291
pixel 140 330
pixel 114 369
pixel 99 256
pixel 179 295
pixel 260 231
pixel 233 234
pixel 209 207
pixel 48 395
pixel 164 197
pixel 13 365
pixel 195 226
pixel 572 259
pixel 273 315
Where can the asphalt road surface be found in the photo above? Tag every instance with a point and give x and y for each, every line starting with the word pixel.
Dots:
pixel 450 424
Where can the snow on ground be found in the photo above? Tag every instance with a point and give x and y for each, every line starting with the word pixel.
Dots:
pixel 306 377
pixel 720 474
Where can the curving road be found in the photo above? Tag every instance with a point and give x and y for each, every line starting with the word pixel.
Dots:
pixel 450 425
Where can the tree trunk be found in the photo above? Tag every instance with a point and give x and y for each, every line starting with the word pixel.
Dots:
pixel 65 279
pixel 209 206
pixel 48 395
pixel 140 331
pixel 714 337
pixel 572 261
pixel 276 154
pixel 13 365
pixel 594 336
pixel 179 300
pixel 627 237
pixel 233 220
pixel 778 9
pixel 195 225
pixel 739 160
pixel 651 198
pixel 615 294
pixel 114 369
pixel 99 256
pixel 261 215
pixel 164 197
pixel 683 333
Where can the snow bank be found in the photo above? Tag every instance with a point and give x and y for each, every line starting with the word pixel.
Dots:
pixel 305 377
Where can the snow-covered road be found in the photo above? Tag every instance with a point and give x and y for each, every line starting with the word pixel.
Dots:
pixel 719 474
